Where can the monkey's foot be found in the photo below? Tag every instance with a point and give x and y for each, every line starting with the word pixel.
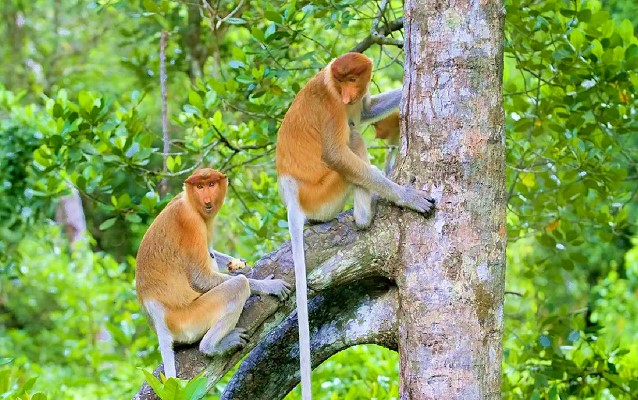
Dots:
pixel 235 340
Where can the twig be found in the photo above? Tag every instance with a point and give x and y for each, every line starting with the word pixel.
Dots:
pixel 163 187
pixel 378 36
pixel 222 20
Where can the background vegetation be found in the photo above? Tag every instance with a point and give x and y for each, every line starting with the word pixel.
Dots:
pixel 80 106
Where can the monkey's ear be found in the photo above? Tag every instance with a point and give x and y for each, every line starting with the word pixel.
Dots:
pixel 222 176
pixel 190 180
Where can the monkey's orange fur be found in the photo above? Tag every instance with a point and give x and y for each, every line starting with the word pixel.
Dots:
pixel 388 129
pixel 324 106
pixel 175 244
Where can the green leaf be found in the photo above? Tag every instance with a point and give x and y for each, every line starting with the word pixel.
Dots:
pixel 28 385
pixel 272 28
pixel 151 7
pixel 170 163
pixel 172 390
pixel 108 223
pixel 195 389
pixel 133 218
pixel 195 99
pixel 124 200
pixel 236 64
pixel 217 119
pixel 528 179
pixel 273 16
pixel 155 384
pixel 235 21
pixel 86 101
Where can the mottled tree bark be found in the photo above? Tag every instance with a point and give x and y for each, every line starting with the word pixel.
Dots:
pixel 452 266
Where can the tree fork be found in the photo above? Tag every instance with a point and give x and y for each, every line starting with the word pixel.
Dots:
pixel 337 254
pixel 341 317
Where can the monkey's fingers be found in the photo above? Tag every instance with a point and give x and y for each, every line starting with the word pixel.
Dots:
pixel 417 200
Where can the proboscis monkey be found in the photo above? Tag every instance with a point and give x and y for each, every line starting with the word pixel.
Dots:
pixel 388 130
pixel 178 282
pixel 321 157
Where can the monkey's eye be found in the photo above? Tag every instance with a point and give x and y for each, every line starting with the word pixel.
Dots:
pixel 352 79
pixel 212 184
pixel 200 186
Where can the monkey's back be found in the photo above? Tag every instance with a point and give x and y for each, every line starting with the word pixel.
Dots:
pixel 299 144
pixel 163 257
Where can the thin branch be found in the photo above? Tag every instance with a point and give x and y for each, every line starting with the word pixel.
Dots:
pixel 222 20
pixel 163 187
pixel 379 36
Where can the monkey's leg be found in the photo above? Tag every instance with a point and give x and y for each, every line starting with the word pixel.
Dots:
pixel 221 337
pixel 212 315
pixel 363 200
pixel 157 313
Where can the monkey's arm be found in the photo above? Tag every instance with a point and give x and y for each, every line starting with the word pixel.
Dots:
pixel 342 159
pixel 267 286
pixel 203 278
pixel 379 106
pixel 229 263
pixel 222 259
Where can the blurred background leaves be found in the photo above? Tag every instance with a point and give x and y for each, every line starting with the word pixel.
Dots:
pixel 80 107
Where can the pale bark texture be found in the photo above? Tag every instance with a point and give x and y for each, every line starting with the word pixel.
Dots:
pixel 431 286
pixel 452 266
pixel 70 214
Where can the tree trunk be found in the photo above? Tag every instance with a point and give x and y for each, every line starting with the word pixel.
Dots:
pixel 70 214
pixel 452 267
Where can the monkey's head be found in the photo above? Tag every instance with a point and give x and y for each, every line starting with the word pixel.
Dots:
pixel 388 128
pixel 351 73
pixel 206 189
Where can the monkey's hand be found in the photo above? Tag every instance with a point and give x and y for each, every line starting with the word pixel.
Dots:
pixel 273 287
pixel 417 200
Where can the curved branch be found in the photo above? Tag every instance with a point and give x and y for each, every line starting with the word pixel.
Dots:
pixel 336 254
pixel 379 36
pixel 340 318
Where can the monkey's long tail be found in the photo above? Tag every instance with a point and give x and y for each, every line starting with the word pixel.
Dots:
pixel 295 221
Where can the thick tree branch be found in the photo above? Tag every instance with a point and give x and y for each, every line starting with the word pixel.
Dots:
pixel 336 254
pixel 340 318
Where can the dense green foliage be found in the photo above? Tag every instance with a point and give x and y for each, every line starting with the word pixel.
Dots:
pixel 80 105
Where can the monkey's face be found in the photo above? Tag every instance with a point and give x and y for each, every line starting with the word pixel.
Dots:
pixel 208 188
pixel 351 73
pixel 353 89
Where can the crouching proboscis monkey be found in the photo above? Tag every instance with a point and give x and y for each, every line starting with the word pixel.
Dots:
pixel 321 158
pixel 178 283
